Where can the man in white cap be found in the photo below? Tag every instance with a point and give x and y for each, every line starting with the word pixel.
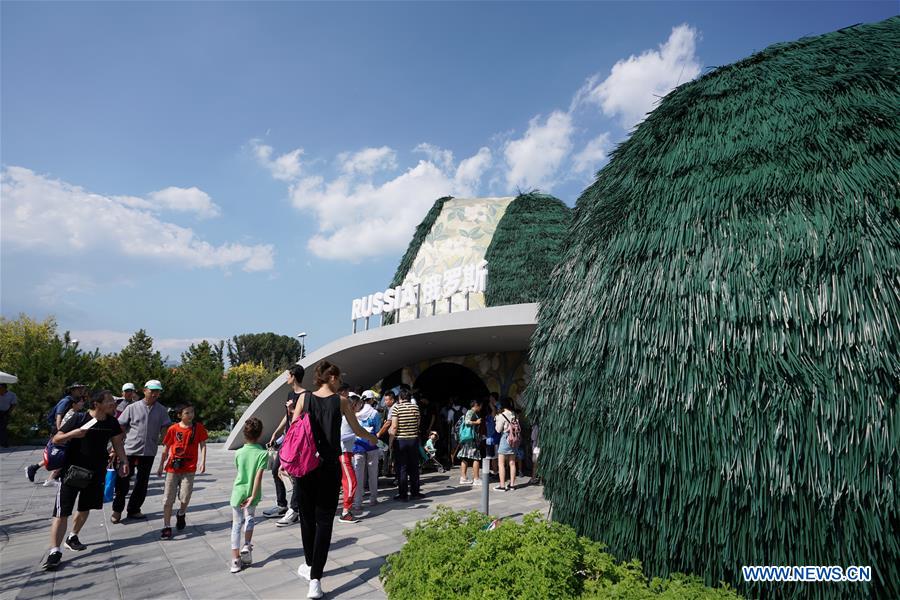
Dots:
pixel 129 395
pixel 143 421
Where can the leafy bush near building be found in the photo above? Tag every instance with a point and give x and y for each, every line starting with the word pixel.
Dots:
pixel 451 555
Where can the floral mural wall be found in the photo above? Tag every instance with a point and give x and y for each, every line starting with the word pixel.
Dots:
pixel 460 236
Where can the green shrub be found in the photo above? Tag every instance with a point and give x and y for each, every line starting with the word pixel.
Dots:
pixel 450 555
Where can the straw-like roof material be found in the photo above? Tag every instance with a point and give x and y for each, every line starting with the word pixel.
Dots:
pixel 526 247
pixel 715 368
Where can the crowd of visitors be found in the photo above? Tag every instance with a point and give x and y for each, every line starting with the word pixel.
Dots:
pixel 353 437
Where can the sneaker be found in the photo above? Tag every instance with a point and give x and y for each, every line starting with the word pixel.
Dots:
pixel 465 481
pixel 180 521
pixel 315 589
pixel 51 481
pixel 52 561
pixel 348 517
pixel 235 565
pixel 303 571
pixel 275 511
pixel 116 517
pixel 289 518
pixel 501 488
pixel 477 482
pixel 247 554
pixel 30 471
pixel 166 533
pixel 73 543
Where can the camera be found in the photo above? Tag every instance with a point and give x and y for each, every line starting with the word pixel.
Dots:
pixel 177 463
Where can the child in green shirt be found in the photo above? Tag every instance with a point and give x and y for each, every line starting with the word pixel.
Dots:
pixel 251 462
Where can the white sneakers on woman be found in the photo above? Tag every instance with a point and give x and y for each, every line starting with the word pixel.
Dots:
pixel 303 571
pixel 315 589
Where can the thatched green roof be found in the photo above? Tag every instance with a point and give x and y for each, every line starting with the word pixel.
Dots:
pixel 525 247
pixel 716 363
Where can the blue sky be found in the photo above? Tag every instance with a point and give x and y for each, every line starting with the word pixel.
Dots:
pixel 201 170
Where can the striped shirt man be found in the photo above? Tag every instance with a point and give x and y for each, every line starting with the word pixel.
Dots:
pixel 407 417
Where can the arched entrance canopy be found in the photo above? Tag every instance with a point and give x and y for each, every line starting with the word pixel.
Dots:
pixel 367 356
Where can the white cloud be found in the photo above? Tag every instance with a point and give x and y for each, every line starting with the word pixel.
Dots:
pixel 636 84
pixel 534 159
pixel 368 161
pixel 442 157
pixel 192 200
pixel 285 167
pixel 359 218
pixel 593 154
pixel 470 171
pixel 54 217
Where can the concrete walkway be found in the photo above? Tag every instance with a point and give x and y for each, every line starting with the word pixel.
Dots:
pixel 129 561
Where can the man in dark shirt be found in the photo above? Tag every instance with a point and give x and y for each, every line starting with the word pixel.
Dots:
pixel 86 436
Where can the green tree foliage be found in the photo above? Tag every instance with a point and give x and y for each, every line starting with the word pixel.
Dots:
pixel 45 364
pixel 716 363
pixel 250 379
pixel 272 351
pixel 451 555
pixel 201 380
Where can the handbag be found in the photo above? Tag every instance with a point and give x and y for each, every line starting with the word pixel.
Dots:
pixel 78 477
pixel 466 431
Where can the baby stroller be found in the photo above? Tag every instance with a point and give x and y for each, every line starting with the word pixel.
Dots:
pixel 429 459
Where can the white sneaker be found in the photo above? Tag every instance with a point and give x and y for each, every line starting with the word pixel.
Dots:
pixel 315 589
pixel 247 555
pixel 465 481
pixel 303 571
pixel 477 483
pixel 235 565
pixel 289 518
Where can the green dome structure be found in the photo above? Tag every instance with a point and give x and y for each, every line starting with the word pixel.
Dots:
pixel 715 368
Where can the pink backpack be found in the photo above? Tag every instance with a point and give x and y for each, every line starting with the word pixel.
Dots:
pixel 298 453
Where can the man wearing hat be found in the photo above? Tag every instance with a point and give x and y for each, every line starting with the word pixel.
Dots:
pixel 143 422
pixel 129 395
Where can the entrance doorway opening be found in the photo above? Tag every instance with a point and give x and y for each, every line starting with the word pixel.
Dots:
pixel 443 381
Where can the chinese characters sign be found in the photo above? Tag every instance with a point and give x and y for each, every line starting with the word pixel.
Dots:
pixel 465 279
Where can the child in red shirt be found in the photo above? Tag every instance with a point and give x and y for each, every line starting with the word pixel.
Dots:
pixel 183 441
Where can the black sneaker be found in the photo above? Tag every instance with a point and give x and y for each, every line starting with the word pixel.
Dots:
pixel 166 533
pixel 52 561
pixel 180 522
pixel 73 543
pixel 30 471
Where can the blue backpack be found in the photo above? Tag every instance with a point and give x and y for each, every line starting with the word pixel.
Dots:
pixel 54 456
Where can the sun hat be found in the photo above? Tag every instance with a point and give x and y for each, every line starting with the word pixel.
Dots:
pixel 153 384
pixel 128 386
pixel 369 394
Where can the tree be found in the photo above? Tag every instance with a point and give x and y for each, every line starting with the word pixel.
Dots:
pixel 45 364
pixel 250 379
pixel 274 352
pixel 201 381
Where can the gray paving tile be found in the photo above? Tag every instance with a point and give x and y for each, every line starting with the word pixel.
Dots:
pixel 130 556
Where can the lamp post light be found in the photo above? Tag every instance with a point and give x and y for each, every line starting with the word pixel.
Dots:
pixel 302 336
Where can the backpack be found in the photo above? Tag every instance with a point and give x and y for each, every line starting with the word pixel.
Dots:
pixel 514 433
pixel 298 453
pixel 54 456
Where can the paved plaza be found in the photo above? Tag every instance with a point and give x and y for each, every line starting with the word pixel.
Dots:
pixel 129 560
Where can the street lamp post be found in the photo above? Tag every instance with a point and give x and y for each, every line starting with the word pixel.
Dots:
pixel 302 337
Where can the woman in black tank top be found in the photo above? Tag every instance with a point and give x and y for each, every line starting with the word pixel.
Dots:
pixel 320 487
